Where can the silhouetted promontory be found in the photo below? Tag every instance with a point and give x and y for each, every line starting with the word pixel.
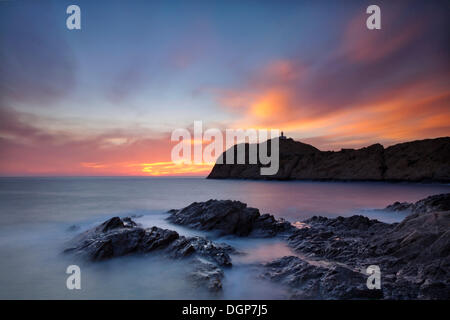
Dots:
pixel 415 161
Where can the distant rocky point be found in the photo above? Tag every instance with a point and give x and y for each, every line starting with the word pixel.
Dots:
pixel 439 202
pixel 417 161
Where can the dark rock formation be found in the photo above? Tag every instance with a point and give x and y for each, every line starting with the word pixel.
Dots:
pixel 398 206
pixel 118 237
pixel 332 255
pixel 207 274
pixel 229 218
pixel 414 256
pixel 439 202
pixel 424 160
pixel 310 281
pixel 419 160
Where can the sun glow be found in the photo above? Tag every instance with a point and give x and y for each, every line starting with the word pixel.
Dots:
pixel 171 168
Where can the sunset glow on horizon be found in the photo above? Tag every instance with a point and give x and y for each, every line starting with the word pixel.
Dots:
pixel 104 100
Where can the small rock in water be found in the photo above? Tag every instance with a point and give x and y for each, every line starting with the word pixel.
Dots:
pixel 399 206
pixel 439 202
pixel 73 227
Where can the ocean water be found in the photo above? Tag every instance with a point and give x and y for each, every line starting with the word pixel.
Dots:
pixel 37 213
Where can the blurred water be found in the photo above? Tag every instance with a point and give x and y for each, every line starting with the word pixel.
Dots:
pixel 36 213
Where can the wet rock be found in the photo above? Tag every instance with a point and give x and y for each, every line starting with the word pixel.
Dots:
pixel 439 202
pixel 229 218
pixel 118 237
pixel 399 206
pixel 184 246
pixel 312 281
pixel 206 274
pixel 414 255
pixel 127 222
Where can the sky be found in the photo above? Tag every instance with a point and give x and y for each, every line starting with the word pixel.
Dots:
pixel 105 99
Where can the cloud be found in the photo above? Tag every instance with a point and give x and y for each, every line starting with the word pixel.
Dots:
pixel 389 85
pixel 128 81
pixel 26 149
pixel 37 65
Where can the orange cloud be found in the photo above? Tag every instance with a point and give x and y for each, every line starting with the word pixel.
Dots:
pixel 27 150
pixel 270 104
pixel 170 168
pixel 383 86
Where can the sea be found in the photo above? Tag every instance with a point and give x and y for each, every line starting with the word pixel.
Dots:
pixel 38 215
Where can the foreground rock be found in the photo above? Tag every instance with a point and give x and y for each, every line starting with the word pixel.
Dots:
pixel 207 274
pixel 413 256
pixel 423 160
pixel 315 281
pixel 118 237
pixel 229 218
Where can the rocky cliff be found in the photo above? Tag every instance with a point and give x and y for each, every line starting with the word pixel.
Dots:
pixel 416 161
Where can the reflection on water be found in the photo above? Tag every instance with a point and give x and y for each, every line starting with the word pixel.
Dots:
pixel 37 212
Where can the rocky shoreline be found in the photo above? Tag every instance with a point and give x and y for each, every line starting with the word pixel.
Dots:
pixel 415 161
pixel 331 255
pixel 413 255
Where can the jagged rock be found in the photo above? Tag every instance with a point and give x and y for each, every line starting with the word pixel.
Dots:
pixel 398 206
pixel 229 218
pixel 439 202
pixel 310 281
pixel 338 239
pixel 185 246
pixel 118 237
pixel 206 273
pixel 127 222
pixel 423 160
pixel 348 164
pixel 414 255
